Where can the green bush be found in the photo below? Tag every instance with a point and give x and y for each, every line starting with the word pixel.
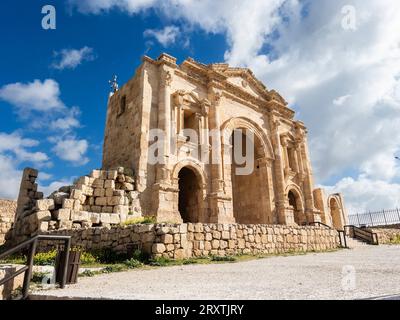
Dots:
pixel 160 262
pixel 108 256
pixel 88 273
pixel 190 261
pixel 133 263
pixel 223 258
pixel 45 258
pixel 140 220
pixel 113 268
pixel 141 256
pixel 88 258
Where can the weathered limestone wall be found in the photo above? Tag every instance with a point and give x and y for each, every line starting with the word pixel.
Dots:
pixel 180 241
pixel 102 198
pixel 7 215
pixel 387 234
pixel 122 131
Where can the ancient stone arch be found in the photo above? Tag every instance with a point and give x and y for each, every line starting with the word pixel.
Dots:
pixel 191 181
pixel 295 204
pixel 336 212
pixel 245 123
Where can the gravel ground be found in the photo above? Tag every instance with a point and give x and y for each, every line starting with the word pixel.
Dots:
pixel 311 276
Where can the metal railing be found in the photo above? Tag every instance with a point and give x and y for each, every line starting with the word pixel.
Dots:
pixel 341 233
pixel 32 243
pixel 363 234
pixel 375 218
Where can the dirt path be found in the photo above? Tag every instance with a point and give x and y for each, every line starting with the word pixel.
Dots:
pixel 363 272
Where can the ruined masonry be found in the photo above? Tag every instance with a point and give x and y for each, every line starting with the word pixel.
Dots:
pixel 187 187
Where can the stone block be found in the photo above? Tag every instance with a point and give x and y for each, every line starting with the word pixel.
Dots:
pixel 45 204
pixel 80 216
pixel 76 194
pixel 121 209
pixel 167 238
pixel 114 218
pixel 98 192
pixel 62 214
pixel 112 174
pixel 44 215
pixel 68 203
pixel 43 226
pixel 109 184
pixel 158 248
pixel 105 217
pixel 101 201
pixel 94 217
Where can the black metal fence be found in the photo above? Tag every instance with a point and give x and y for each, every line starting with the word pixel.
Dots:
pixel 376 218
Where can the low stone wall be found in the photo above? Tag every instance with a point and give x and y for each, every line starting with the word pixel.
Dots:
pixel 387 234
pixel 7 215
pixel 180 241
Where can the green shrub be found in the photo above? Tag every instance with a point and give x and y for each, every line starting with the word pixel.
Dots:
pixel 140 256
pixel 140 220
pixel 108 256
pixel 190 261
pixel 88 273
pixel 45 258
pixel 37 277
pixel 113 268
pixel 160 262
pixel 133 263
pixel 223 258
pixel 88 258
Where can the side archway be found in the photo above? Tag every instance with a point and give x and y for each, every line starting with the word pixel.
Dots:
pixel 295 205
pixel 190 180
pixel 336 212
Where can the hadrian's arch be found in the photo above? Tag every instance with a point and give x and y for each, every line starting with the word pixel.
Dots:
pixel 249 189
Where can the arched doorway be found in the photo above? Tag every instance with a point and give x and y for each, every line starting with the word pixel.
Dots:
pixel 189 201
pixel 335 214
pixel 294 202
pixel 247 185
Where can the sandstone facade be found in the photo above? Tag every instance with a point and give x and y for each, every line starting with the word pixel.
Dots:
pixel 194 184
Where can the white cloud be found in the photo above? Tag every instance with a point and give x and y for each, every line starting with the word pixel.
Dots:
pixel 15 144
pixel 37 95
pixel 98 6
pixel 71 58
pixel 72 150
pixel 165 36
pixel 10 178
pixel 365 194
pixel 14 150
pixel 341 100
pixel 53 186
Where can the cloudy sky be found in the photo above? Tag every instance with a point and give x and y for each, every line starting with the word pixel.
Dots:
pixel 336 62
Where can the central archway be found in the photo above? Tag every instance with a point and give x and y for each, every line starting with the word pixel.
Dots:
pixel 247 188
pixel 189 195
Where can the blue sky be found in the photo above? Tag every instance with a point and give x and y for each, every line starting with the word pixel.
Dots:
pixel 343 83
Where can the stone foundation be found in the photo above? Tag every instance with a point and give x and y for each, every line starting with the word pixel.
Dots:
pixel 179 241
pixel 386 234
pixel 7 215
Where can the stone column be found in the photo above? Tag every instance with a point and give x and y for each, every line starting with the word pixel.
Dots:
pixel 278 170
pixel 267 198
pixel 221 206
